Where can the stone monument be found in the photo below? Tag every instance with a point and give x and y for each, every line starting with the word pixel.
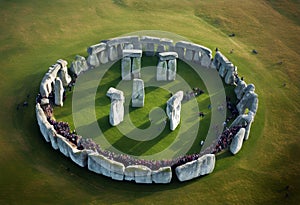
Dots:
pixel 138 93
pixel 173 109
pixel 116 114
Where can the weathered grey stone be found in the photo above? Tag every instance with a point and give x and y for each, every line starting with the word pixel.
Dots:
pixel 126 68
pixel 219 60
pixel 139 173
pixel 167 44
pixel 46 86
pixel 64 76
pixel 52 136
pixel 138 93
pixel 58 92
pixel 42 122
pixel 129 173
pixel 172 69
pixel 164 56
pixel 63 145
pixel 237 141
pixel 136 67
pixel 230 75
pixel 205 61
pixel 197 57
pixel 134 53
pixel 249 100
pixel 245 119
pixel 93 61
pixel 162 176
pixel 113 53
pixel 202 166
pixel 189 54
pixel 95 49
pixel 94 162
pixel 239 89
pixel 79 65
pixel 222 70
pixel 116 114
pixel 128 46
pixel 160 49
pixel 180 51
pixel 79 156
pixel 161 72
pixel 103 57
pixel 149 44
pixel 117 170
pixel 134 40
pixel 173 109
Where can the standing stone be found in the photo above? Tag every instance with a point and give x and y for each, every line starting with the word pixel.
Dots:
pixel 160 49
pixel 244 120
pixel 237 141
pixel 103 57
pixel 136 67
pixel 172 67
pixel 58 92
pixel 63 73
pixel 116 114
pixel 173 109
pixel 223 70
pixel 126 68
pixel 249 100
pixel 230 75
pixel 79 65
pixel 202 166
pixel 239 89
pixel 197 57
pixel 167 66
pixel 138 93
pixel 93 51
pixel 205 60
pixel 161 73
pixel 189 54
pixel 113 53
pixel 162 176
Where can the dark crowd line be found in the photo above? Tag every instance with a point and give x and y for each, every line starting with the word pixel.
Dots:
pixel 81 143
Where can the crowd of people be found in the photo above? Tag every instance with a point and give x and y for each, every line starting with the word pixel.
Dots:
pixel 64 130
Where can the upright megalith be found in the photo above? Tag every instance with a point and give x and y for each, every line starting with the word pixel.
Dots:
pixel 240 87
pixel 63 72
pixel 79 65
pixel 126 68
pixel 116 114
pixel 58 92
pixel 173 109
pixel 231 74
pixel 138 93
pixel 199 167
pixel 249 100
pixel 97 54
pixel 131 64
pixel 162 176
pixel 167 66
pixel 149 43
pixel 237 141
pixel 246 121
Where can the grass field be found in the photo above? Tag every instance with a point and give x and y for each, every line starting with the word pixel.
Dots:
pixel 34 34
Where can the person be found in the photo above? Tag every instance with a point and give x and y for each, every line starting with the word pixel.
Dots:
pixel 25 104
pixel 202 142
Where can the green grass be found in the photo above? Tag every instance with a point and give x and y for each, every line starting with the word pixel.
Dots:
pixel 34 34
